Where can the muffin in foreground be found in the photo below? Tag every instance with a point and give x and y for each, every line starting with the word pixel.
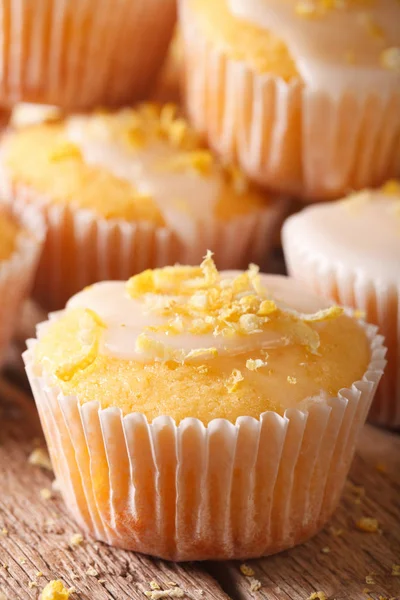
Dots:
pixel 82 54
pixel 21 240
pixel 305 95
pixel 349 252
pixel 130 190
pixel 192 414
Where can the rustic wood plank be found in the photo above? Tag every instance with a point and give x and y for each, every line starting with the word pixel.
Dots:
pixel 39 530
pixel 353 555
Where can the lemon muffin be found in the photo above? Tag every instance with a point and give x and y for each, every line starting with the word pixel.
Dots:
pixel 82 54
pixel 25 114
pixel 129 190
pixel 168 84
pixel 349 252
pixel 304 94
pixel 20 244
pixel 192 414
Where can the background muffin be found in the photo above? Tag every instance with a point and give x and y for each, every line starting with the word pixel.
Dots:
pixel 349 252
pixel 85 54
pixel 168 84
pixel 305 95
pixel 130 190
pixel 21 241
pixel 206 417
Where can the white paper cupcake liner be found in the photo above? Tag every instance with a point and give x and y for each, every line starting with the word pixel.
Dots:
pixel 195 492
pixel 82 248
pixel 284 135
pixel 380 302
pixel 82 54
pixel 17 272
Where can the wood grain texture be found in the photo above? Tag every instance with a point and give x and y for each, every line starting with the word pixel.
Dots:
pixel 39 532
pixel 373 490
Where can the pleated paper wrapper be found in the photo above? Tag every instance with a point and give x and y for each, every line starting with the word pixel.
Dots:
pixel 82 248
pixel 380 301
pixel 194 492
pixel 82 54
pixel 18 271
pixel 284 135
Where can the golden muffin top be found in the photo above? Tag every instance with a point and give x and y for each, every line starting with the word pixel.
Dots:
pixel 9 232
pixel 141 164
pixel 193 342
pixel 330 44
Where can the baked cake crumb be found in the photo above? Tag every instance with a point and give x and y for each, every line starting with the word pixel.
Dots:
pixel 175 592
pixel 76 539
pixel 40 458
pixel 154 585
pixel 246 570
pixel 46 494
pixel 317 596
pixel 55 590
pixel 91 571
pixel 396 570
pixel 255 585
pixel 368 525
pixel 336 531
pixel 32 584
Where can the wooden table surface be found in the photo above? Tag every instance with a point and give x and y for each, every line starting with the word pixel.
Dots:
pixel 342 562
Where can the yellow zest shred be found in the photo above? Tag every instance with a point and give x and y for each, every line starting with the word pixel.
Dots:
pixel 92 327
pixel 233 381
pixel 199 301
pixel 254 365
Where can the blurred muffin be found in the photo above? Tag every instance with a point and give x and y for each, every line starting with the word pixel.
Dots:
pixel 20 244
pixel 125 191
pixel 349 252
pixel 305 95
pixel 82 54
pixel 25 114
pixel 168 84
pixel 192 414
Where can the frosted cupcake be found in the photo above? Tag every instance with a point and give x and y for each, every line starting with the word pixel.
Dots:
pixel 129 190
pixel 20 244
pixel 305 94
pixel 192 414
pixel 349 252
pixel 85 54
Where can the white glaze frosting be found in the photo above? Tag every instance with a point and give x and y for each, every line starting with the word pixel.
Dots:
pixel 361 234
pixel 325 46
pixel 181 195
pixel 126 319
